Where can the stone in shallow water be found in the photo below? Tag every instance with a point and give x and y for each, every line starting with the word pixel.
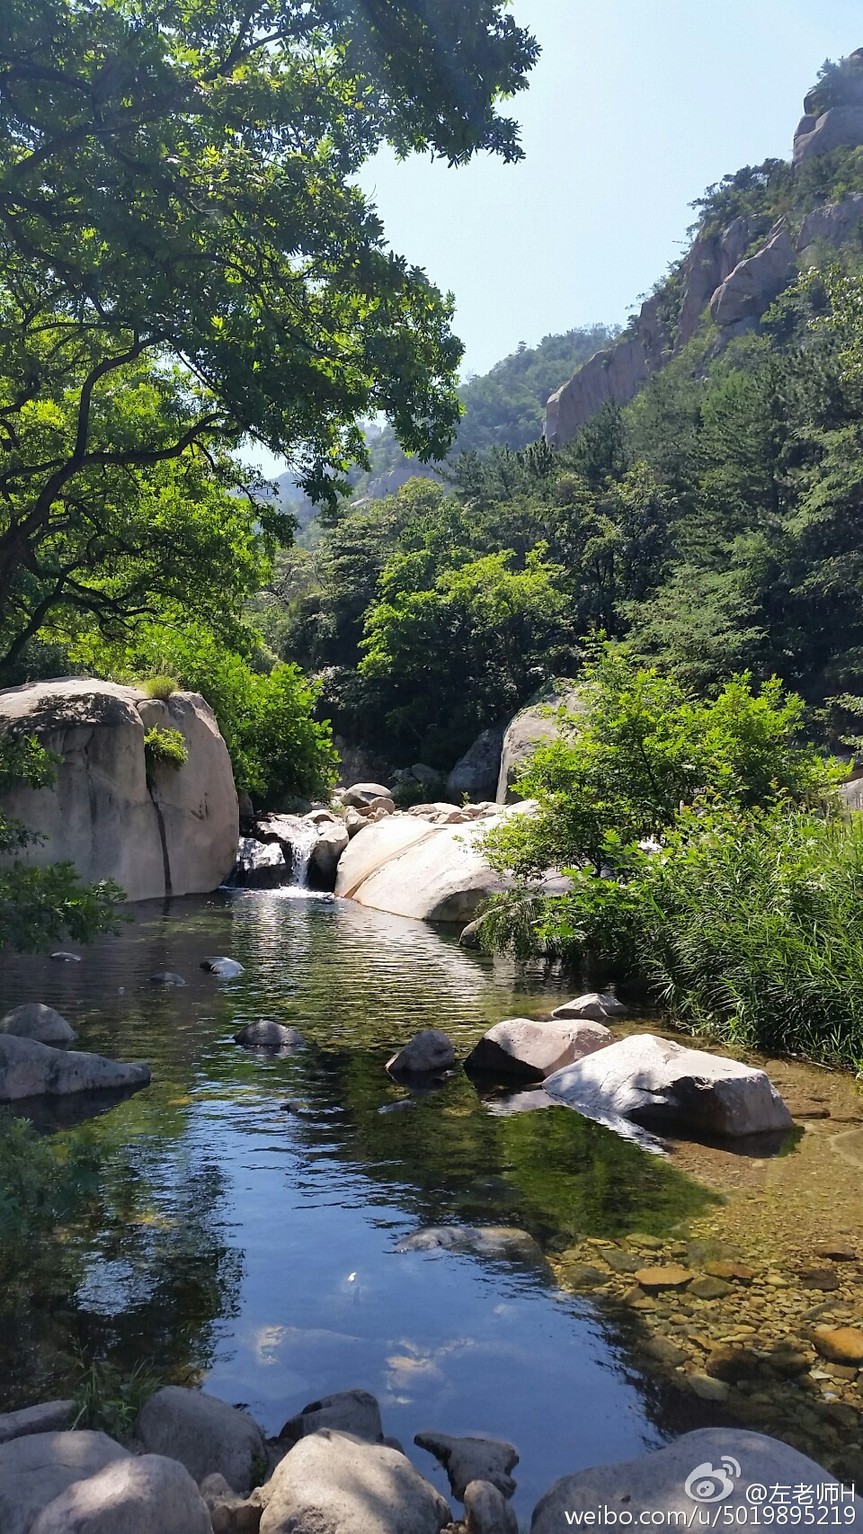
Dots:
pixel 708 1288
pixel 840 1344
pixel 472 1458
pixel 33 1020
pixel 598 1006
pixel 61 957
pixel 428 1051
pixel 348 1411
pixel 531 1051
pixel 706 1388
pixel 264 1034
pixel 30 1069
pixel 667 1276
pixel 226 969
pixel 825 1279
pixel 476 1240
pixel 737 1272
pixel 167 977
pixel 836 1249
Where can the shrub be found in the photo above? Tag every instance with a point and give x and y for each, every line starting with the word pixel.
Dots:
pixel 162 687
pixel 167 747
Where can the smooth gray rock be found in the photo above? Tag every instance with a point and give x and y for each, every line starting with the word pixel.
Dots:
pixel 33 1020
pixel 598 1006
pixel 226 969
pixel 148 1495
pixel 364 793
pixel 531 1051
pixel 264 1034
pixel 754 283
pixel 656 1483
pixel 837 128
pixel 348 1411
pixel 543 720
pixel 167 977
pixel 259 865
pixel 487 1510
pixel 333 1483
pixel 30 1069
pixel 230 1514
pixel 428 1051
pixel 37 1468
pixel 831 223
pixel 661 1084
pixel 476 773
pixel 205 1434
pixel 47 1417
pixel 333 837
pixel 472 1458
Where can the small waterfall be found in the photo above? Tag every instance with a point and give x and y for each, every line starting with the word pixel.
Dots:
pixel 303 838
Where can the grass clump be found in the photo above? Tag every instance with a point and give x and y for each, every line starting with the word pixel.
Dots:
pixel 109 1400
pixel 161 687
pixel 165 747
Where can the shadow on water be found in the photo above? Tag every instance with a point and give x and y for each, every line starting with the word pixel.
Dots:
pixel 237 1222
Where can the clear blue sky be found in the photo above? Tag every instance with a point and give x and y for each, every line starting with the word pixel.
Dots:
pixel 633 109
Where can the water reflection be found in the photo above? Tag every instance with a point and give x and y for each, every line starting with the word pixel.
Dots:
pixel 255 1247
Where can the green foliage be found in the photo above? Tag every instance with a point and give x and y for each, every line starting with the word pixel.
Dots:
pixel 108 1400
pixel 39 906
pixel 165 747
pixel 161 687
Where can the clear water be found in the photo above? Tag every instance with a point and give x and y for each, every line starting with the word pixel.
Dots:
pixel 251 1247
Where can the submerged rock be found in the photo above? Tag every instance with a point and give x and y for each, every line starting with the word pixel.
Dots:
pixel 475 1240
pixel 348 1411
pixel 333 1483
pixel 30 1069
pixel 708 1467
pixel 655 1082
pixel 598 1006
pixel 33 1020
pixel 167 977
pixel 61 957
pixel 472 1458
pixel 840 1344
pixel 226 969
pixel 205 1434
pixel 428 1051
pixel 148 1495
pixel 264 1034
pixel 39 1467
pixel 531 1051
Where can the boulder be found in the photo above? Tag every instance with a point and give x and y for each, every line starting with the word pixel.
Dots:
pixel 47 1417
pixel 661 1084
pixel 487 1510
pixel 348 1411
pixel 33 1020
pixel 476 773
pixel 531 1051
pixel 264 1034
pixel 428 1051
pixel 39 1467
pixel 333 1483
pixel 259 865
pixel 354 822
pixel 598 1006
pixel 751 288
pixel 408 867
pixel 205 1434
pixel 700 1475
pixel 332 839
pixel 472 1458
pixel 167 977
pixel 364 793
pixel 831 224
pixel 30 1069
pixel 149 1495
pixel 540 721
pixel 154 828
pixel 230 1514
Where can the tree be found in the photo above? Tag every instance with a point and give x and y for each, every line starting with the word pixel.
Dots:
pixel 178 191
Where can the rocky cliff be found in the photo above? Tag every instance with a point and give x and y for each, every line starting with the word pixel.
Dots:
pixel 731 274
pixel 114 811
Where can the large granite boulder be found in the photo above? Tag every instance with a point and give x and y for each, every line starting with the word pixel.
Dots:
pixel 30 1069
pixel 837 128
pixel 411 867
pixel 332 839
pixel 751 288
pixel 831 224
pixel 205 1434
pixel 333 1483
pixel 700 1476
pixel 530 1051
pixel 476 773
pixel 259 865
pixel 40 1466
pixel 427 1052
pixel 33 1020
pixel 155 828
pixel 540 721
pixel 148 1495
pixel 364 794
pixel 660 1084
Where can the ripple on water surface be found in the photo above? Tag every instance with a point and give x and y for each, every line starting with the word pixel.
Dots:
pixel 237 1222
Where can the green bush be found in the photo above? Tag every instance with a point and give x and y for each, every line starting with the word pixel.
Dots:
pixel 167 747
pixel 161 687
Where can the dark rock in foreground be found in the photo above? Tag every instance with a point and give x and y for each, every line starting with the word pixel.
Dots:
pixel 30 1069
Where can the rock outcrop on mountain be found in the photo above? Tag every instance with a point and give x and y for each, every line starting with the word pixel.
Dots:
pixel 115 811
pixel 732 274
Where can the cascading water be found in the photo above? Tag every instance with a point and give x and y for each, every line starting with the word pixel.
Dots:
pixel 303 839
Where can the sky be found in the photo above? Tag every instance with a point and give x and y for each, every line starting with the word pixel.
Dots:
pixel 635 107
